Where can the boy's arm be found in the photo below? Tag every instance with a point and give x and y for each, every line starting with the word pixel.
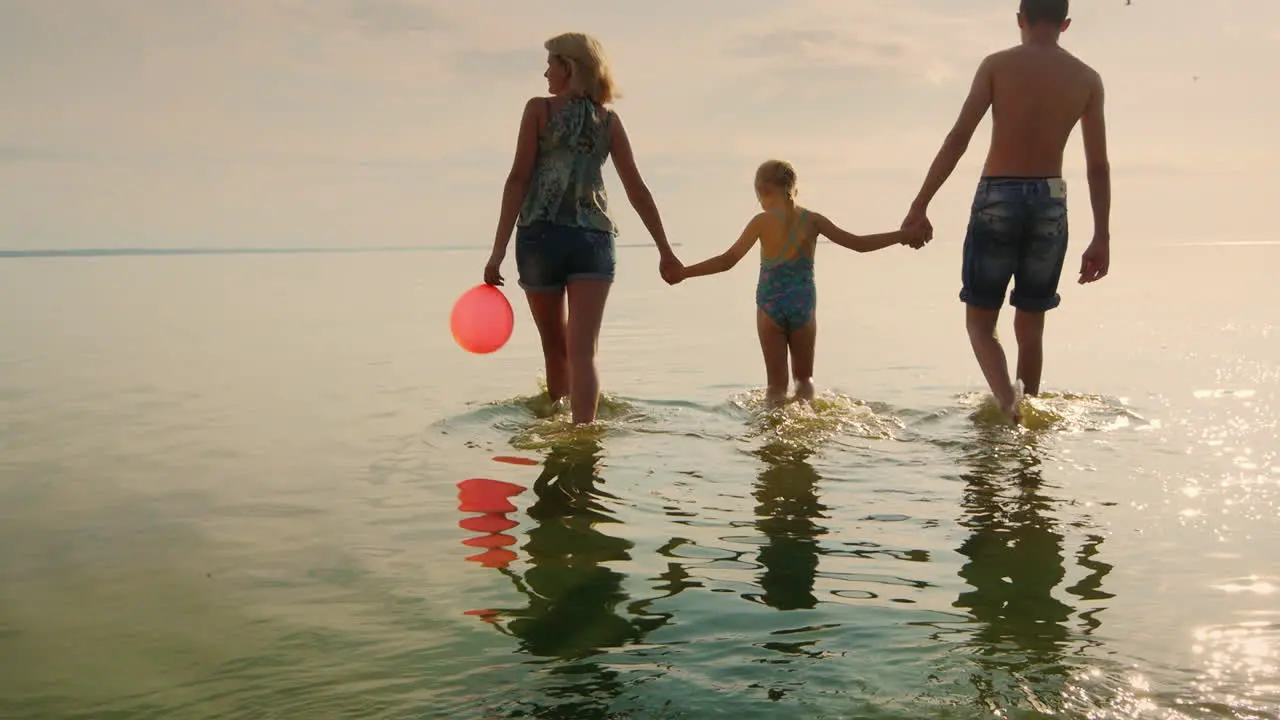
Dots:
pixel 862 243
pixel 957 141
pixel 1093 127
pixel 726 260
pixel 1096 262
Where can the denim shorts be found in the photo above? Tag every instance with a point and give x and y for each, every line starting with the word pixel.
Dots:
pixel 549 256
pixel 1017 231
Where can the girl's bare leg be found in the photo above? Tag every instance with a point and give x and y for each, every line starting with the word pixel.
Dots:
pixel 801 343
pixel 773 344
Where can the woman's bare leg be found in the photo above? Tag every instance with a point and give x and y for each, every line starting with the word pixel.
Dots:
pixel 548 312
pixel 587 299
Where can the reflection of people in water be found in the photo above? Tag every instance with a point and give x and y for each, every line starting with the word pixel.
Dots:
pixel 1015 562
pixel 787 506
pixel 576 605
pixel 573 599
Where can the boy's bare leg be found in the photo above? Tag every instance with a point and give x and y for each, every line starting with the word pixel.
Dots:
pixel 773 344
pixel 981 323
pixel 1028 328
pixel 801 343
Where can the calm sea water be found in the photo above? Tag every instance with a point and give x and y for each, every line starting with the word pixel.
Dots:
pixel 265 486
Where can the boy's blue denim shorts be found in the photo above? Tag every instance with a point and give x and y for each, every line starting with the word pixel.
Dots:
pixel 1017 231
pixel 549 256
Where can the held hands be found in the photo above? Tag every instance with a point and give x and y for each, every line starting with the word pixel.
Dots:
pixel 920 234
pixel 670 268
pixel 917 222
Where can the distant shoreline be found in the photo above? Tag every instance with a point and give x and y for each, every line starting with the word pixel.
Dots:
pixel 161 252
pixel 143 252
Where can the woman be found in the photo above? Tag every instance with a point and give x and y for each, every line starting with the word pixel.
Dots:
pixel 555 193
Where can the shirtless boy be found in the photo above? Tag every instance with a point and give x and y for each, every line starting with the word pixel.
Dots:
pixel 1037 92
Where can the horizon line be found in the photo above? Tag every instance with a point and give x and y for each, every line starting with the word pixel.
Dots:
pixel 142 251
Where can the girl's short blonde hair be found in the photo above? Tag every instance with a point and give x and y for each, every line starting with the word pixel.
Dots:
pixel 778 174
pixel 589 73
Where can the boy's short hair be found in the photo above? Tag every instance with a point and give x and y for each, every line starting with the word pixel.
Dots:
pixel 1053 12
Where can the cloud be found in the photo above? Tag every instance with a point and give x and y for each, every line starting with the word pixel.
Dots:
pixel 806 47
pixel 501 65
pixel 20 154
pixel 376 18
pixel 235 117
pixel 394 17
pixel 893 37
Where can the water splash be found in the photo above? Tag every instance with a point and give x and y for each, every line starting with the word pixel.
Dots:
pixel 801 426
pixel 1065 412
pixel 535 423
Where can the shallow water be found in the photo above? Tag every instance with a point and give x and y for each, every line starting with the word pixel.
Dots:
pixel 270 486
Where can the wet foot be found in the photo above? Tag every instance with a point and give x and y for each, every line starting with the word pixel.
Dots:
pixel 1010 406
pixel 559 405
pixel 1012 412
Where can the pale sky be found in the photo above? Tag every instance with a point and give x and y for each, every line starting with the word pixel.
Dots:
pixel 287 123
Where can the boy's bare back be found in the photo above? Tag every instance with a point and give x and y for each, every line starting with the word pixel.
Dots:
pixel 1038 94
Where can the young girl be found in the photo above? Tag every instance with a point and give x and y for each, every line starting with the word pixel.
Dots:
pixel 786 296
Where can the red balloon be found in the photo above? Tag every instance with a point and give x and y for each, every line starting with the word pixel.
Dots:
pixel 494 558
pixel 492 540
pixel 482 320
pixel 489 523
pixel 482 495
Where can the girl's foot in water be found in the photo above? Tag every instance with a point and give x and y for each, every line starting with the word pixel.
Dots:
pixel 1013 413
pixel 804 391
pixel 774 399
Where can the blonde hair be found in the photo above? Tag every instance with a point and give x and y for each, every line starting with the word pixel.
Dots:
pixel 589 73
pixel 778 174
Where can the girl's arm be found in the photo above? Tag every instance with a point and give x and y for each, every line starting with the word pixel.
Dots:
pixel 864 243
pixel 726 260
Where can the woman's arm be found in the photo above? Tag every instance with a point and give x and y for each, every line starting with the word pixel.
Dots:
pixel 637 192
pixel 863 243
pixel 726 260
pixel 518 179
